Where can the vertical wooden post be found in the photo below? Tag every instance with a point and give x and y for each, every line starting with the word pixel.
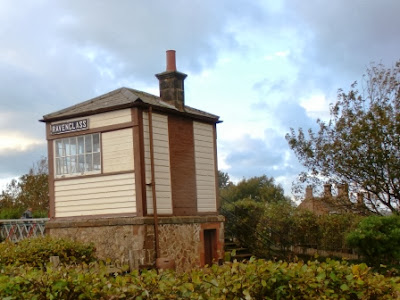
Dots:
pixel 55 261
pixel 153 183
pixel 132 262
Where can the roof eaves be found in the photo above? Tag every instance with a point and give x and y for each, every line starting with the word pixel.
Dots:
pixel 134 98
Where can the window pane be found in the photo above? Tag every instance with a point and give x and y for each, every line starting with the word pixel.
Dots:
pixel 66 147
pixel 77 155
pixel 96 142
pixel 96 161
pixel 88 144
pixel 81 145
pixel 73 165
pixel 81 163
pixel 89 163
pixel 62 166
pixel 73 149
pixel 59 147
pixel 58 166
pixel 67 164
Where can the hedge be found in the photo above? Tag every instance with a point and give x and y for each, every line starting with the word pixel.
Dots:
pixel 256 279
pixel 37 251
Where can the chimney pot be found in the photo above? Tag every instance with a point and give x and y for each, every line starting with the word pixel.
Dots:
pixel 171 83
pixel 171 61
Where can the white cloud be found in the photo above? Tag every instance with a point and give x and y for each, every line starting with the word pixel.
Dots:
pixel 316 106
pixel 4 182
pixel 278 54
pixel 16 141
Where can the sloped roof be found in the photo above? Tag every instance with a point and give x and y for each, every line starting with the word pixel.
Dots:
pixel 318 205
pixel 119 99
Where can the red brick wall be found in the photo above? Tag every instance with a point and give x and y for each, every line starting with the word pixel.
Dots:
pixel 183 172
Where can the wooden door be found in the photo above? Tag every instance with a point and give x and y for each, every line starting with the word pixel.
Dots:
pixel 210 246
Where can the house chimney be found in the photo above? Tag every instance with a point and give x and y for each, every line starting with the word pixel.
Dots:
pixel 171 83
pixel 327 190
pixel 360 199
pixel 309 192
pixel 343 190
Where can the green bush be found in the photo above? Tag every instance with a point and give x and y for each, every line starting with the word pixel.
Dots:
pixel 377 239
pixel 276 223
pixel 16 213
pixel 306 231
pixel 11 213
pixel 334 228
pixel 242 218
pixel 257 279
pixel 266 227
pixel 40 214
pixel 37 251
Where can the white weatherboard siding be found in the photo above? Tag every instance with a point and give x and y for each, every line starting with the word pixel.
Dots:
pixel 161 163
pixel 117 147
pixel 105 119
pixel 110 118
pixel 205 167
pixel 95 196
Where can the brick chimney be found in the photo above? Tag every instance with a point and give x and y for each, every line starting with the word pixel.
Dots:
pixel 360 199
pixel 171 83
pixel 327 190
pixel 309 192
pixel 343 190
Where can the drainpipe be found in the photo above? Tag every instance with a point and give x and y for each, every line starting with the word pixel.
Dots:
pixel 153 184
pixel 161 262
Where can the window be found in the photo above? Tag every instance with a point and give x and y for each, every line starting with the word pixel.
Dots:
pixel 78 155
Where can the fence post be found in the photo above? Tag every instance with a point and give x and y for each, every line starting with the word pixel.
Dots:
pixel 132 261
pixel 55 261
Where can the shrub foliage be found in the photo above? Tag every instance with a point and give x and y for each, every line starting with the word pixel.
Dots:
pixel 257 279
pixel 377 239
pixel 37 251
pixel 24 274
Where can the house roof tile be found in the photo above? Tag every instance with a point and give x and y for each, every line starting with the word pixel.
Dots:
pixel 123 98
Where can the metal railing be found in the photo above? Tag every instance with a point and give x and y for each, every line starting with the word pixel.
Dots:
pixel 15 230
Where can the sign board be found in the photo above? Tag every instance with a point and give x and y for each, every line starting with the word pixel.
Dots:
pixel 71 126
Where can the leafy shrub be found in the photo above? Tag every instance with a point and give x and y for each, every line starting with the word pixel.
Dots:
pixel 334 228
pixel 277 224
pixel 16 213
pixel 258 279
pixel 306 231
pixel 11 213
pixel 242 218
pixel 37 251
pixel 377 239
pixel 40 213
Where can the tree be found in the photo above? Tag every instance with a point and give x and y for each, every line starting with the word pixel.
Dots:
pixel 277 223
pixel 30 190
pixel 377 239
pixel 243 205
pixel 223 180
pixel 360 145
pixel 259 189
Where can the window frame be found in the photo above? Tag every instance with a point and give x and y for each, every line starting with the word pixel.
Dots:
pixel 72 155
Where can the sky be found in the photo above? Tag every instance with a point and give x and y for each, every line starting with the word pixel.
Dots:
pixel 263 66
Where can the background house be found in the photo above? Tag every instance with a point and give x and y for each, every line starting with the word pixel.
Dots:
pixel 137 174
pixel 327 203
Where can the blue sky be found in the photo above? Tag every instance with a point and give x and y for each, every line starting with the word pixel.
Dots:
pixel 262 66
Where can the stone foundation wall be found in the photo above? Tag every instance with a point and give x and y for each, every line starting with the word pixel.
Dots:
pixel 181 243
pixel 180 238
